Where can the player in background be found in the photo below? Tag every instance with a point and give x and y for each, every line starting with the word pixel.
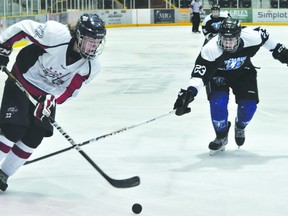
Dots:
pixel 224 64
pixel 195 9
pixel 211 22
pixel 52 68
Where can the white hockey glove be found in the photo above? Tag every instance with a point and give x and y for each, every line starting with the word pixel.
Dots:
pixel 44 107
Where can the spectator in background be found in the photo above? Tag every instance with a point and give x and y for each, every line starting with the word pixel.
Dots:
pixel 195 10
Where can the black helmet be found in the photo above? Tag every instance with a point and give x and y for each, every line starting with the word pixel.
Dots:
pixel 230 30
pixel 90 26
pixel 215 11
pixel 215 7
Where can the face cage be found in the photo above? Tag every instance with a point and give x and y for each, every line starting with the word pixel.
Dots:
pixel 229 44
pixel 89 47
pixel 215 13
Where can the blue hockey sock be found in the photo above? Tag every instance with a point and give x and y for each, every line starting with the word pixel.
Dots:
pixel 245 112
pixel 218 110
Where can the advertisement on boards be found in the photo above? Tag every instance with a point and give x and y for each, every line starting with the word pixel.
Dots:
pixel 242 14
pixel 112 17
pixel 268 15
pixel 164 16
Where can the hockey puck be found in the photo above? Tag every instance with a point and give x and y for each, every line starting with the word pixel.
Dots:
pixel 136 208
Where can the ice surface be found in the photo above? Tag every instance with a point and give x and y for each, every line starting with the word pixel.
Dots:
pixel 143 70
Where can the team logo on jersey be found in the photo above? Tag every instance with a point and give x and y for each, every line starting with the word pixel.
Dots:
pixel 216 25
pixel 234 63
pixel 54 76
pixel 219 81
pixel 39 31
pixel 10 111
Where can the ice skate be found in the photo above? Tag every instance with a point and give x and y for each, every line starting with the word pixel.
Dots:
pixel 239 136
pixel 217 145
pixel 3 180
pixel 220 142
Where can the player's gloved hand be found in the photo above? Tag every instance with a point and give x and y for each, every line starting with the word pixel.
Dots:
pixel 281 53
pixel 184 98
pixel 44 106
pixel 4 55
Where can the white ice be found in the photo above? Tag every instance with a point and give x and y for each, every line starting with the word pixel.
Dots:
pixel 143 70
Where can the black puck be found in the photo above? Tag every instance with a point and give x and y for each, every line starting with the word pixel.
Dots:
pixel 137 208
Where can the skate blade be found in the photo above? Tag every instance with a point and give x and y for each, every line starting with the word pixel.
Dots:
pixel 213 152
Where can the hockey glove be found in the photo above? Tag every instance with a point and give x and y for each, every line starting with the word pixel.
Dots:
pixel 181 105
pixel 281 53
pixel 45 105
pixel 4 55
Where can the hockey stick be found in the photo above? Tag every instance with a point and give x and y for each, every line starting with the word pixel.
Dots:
pixel 98 138
pixel 123 183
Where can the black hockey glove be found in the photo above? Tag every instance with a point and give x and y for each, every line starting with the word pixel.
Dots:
pixel 4 55
pixel 181 105
pixel 281 53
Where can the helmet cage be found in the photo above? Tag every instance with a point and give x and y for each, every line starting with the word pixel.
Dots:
pixel 229 44
pixel 215 13
pixel 89 47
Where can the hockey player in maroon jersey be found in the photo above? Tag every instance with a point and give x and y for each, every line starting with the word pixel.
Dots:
pixel 224 63
pixel 52 68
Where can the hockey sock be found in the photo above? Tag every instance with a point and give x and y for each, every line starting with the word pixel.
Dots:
pixel 245 112
pixel 16 158
pixel 5 146
pixel 218 110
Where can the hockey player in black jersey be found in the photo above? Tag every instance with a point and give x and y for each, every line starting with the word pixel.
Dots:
pixel 224 63
pixel 211 23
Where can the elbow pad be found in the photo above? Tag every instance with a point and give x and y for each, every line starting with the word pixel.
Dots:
pixel 280 53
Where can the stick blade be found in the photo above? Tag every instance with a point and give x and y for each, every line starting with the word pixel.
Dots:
pixel 125 183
